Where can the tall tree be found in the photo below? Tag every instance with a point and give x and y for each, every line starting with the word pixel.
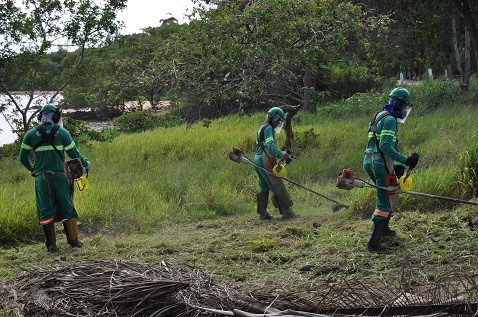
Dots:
pixel 28 32
pixel 245 55
pixel 469 12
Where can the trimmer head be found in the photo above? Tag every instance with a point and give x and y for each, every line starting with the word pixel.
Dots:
pixel 235 154
pixel 338 207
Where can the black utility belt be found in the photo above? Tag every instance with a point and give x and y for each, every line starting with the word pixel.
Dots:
pixel 48 173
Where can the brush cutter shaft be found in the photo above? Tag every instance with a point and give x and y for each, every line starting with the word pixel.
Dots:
pixel 237 156
pixel 441 197
pixel 347 180
pixel 310 190
pixel 398 191
pixel 246 160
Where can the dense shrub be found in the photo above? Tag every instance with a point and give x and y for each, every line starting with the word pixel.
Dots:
pixel 139 121
pixel 136 121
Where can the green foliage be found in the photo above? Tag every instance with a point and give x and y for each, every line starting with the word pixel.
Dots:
pixel 135 121
pixel 10 150
pixel 305 138
pixel 182 173
pixel 356 105
pixel 347 79
pixel 248 53
pixel 83 134
pixel 27 65
pixel 138 121
pixel 433 94
pixel 469 170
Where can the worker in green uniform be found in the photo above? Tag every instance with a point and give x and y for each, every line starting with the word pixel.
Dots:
pixel 42 152
pixel 267 154
pixel 379 161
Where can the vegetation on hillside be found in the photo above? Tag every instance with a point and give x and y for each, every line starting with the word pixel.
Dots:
pixel 172 193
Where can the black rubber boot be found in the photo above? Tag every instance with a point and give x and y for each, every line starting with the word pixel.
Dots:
pixel 262 202
pixel 389 232
pixel 275 202
pixel 377 231
pixel 286 212
pixel 50 237
pixel 70 227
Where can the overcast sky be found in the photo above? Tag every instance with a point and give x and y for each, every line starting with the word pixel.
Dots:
pixel 140 14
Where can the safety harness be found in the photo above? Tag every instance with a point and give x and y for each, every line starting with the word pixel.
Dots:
pixel 48 138
pixel 260 143
pixel 391 178
pixel 373 129
pixel 73 167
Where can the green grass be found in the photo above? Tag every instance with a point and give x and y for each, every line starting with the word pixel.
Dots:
pixel 172 193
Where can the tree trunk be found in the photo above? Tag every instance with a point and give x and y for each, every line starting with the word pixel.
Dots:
pixel 309 99
pixel 467 71
pixel 290 111
pixel 464 7
pixel 456 48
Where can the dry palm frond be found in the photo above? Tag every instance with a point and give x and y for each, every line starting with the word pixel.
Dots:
pixel 117 288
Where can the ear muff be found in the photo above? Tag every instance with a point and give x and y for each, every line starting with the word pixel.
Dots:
pixel 56 115
pixel 273 118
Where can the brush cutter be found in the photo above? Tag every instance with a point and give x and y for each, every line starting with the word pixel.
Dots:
pixel 279 170
pixel 348 180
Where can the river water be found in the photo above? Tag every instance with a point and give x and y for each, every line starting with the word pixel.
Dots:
pixel 40 98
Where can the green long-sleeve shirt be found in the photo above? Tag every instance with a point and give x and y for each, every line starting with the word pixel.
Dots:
pixel 46 158
pixel 387 135
pixel 268 141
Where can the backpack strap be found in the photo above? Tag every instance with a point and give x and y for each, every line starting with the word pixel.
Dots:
pixel 48 138
pixel 373 128
pixel 375 120
pixel 260 142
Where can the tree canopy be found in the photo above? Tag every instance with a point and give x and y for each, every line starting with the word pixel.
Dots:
pixel 30 31
pixel 235 56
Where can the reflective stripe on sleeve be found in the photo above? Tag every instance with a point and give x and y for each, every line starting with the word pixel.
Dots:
pixel 70 146
pixel 389 133
pixel 26 147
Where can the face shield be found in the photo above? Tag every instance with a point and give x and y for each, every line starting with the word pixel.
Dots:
pixel 404 115
pixel 279 126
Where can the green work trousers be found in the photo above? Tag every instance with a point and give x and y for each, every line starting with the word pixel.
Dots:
pixel 267 181
pixel 375 168
pixel 53 198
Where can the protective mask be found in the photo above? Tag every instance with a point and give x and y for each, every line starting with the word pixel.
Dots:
pixel 47 117
pixel 404 116
pixel 278 129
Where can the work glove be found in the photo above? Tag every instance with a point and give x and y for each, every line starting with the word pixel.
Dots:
pixel 286 157
pixel 412 161
pixel 399 170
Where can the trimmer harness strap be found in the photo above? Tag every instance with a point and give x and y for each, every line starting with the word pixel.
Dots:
pixel 48 138
pixel 373 129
